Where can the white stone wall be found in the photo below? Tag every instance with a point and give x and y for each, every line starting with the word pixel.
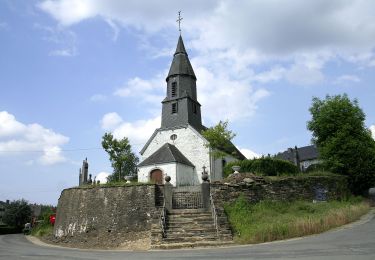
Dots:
pixel 186 175
pixel 167 169
pixel 189 142
pixel 218 167
pixel 306 164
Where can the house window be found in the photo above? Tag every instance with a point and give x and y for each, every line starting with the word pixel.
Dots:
pixel 174 89
pixel 195 108
pixel 174 108
pixel 173 137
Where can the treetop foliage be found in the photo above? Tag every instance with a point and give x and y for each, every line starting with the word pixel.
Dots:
pixel 219 138
pixel 124 161
pixel 345 145
pixel 17 213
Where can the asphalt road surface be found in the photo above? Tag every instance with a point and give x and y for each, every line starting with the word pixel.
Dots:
pixel 356 241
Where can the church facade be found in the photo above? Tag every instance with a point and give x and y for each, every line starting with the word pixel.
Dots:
pixel 178 149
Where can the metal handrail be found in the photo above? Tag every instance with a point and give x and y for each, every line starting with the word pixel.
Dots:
pixel 214 215
pixel 163 219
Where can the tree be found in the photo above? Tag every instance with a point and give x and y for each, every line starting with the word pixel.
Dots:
pixel 124 161
pixel 344 143
pixel 219 139
pixel 17 213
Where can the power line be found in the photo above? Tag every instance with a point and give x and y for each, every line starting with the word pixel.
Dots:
pixel 52 150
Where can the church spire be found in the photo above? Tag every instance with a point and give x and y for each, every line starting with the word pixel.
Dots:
pixel 181 107
pixel 181 63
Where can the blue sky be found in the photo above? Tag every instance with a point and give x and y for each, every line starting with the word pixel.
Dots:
pixel 70 70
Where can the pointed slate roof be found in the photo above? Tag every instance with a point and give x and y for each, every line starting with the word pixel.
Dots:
pixel 181 63
pixel 166 154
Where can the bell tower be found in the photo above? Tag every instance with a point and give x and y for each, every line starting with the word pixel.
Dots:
pixel 181 107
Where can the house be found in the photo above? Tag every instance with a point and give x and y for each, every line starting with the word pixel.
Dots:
pixel 302 157
pixel 177 148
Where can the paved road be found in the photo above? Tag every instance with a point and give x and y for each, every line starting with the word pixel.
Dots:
pixel 356 241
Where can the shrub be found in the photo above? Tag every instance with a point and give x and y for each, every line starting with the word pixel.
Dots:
pixel 266 166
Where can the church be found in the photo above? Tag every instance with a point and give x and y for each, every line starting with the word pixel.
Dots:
pixel 178 149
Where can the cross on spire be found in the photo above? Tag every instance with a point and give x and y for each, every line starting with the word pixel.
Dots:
pixel 179 21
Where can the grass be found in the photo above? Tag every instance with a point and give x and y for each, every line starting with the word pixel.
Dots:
pixel 269 220
pixel 113 184
pixel 42 230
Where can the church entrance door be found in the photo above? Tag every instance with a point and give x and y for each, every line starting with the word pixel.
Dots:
pixel 156 176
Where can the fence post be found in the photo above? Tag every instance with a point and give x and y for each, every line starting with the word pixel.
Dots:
pixel 168 192
pixel 205 192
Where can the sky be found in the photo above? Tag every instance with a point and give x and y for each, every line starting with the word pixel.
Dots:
pixel 71 70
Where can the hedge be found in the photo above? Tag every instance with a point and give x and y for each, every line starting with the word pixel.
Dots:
pixel 266 166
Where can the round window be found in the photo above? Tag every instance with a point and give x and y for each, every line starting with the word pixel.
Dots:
pixel 173 137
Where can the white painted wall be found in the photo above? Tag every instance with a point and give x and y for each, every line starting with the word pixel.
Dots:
pixel 189 142
pixel 218 167
pixel 186 175
pixel 306 164
pixel 167 169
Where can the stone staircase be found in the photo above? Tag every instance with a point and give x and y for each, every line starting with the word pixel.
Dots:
pixel 191 228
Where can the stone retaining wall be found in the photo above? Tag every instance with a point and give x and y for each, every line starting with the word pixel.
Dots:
pixel 288 188
pixel 113 213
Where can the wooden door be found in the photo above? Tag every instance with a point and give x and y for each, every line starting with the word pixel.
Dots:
pixel 156 176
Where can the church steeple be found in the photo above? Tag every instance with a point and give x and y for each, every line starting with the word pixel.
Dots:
pixel 181 107
pixel 181 63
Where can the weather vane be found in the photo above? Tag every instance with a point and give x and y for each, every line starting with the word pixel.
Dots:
pixel 179 21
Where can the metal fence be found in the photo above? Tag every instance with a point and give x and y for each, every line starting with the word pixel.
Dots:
pixel 187 197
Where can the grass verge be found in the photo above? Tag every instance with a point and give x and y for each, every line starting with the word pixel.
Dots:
pixel 42 230
pixel 269 220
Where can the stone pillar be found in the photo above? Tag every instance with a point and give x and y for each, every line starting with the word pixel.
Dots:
pixel 85 170
pixel 205 186
pixel 168 192
pixel 80 177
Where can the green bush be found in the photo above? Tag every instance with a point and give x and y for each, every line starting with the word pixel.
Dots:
pixel 266 166
pixel 10 230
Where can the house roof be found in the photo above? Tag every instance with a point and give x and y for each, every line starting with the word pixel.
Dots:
pixel 181 63
pixel 305 153
pixel 168 153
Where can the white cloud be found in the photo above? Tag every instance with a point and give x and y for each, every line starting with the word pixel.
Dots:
pixel 372 129
pixel 300 36
pixel 64 52
pixel 16 138
pixel 98 98
pixel 110 121
pixel 102 177
pixel 63 40
pixel 138 132
pixel 226 98
pixel 347 79
pixel 151 91
pixel 302 75
pixel 249 154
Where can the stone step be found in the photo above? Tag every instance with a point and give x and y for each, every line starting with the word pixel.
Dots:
pixel 203 224
pixel 190 220
pixel 177 239
pixel 190 235
pixel 188 211
pixel 192 244
pixel 191 230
